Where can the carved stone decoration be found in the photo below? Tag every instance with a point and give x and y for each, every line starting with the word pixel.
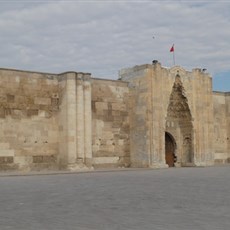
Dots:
pixel 178 111
pixel 178 104
pixel 187 149
pixel 177 70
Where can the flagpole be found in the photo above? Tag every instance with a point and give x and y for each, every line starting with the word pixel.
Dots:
pixel 173 51
pixel 174 57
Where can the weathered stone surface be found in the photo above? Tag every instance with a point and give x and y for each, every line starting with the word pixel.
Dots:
pixel 110 130
pixel 29 125
pixel 152 116
pixel 221 103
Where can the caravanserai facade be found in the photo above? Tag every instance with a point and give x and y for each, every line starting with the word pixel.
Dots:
pixel 151 117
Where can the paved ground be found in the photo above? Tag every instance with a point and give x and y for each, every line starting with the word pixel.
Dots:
pixel 165 199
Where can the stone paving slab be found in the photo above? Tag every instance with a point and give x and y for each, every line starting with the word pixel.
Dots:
pixel 164 199
pixel 56 172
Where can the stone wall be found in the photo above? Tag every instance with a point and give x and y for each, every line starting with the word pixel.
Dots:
pixel 221 104
pixel 140 114
pixel 200 98
pixel 110 123
pixel 72 121
pixel 28 119
pixel 228 123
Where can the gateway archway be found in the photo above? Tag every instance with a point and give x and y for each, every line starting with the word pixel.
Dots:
pixel 170 150
pixel 179 122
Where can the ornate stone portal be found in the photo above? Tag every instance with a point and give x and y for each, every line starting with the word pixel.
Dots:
pixel 179 124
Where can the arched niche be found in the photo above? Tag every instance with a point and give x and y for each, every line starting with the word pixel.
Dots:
pixel 179 122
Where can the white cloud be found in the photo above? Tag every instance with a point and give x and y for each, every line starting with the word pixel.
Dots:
pixel 102 37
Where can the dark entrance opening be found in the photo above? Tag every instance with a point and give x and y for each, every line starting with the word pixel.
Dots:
pixel 170 147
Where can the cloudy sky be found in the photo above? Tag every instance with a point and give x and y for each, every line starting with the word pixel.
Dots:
pixel 102 36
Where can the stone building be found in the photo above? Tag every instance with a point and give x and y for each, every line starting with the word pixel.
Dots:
pixel 151 117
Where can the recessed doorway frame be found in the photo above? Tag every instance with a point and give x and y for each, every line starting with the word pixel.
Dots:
pixel 172 159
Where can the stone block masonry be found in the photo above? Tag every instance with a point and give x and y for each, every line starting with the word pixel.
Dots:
pixel 110 118
pixel 152 117
pixel 28 119
pixel 221 103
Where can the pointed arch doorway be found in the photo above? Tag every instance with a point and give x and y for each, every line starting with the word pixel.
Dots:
pixel 170 150
pixel 179 123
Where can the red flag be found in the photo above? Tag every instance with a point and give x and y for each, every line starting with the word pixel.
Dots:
pixel 172 48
